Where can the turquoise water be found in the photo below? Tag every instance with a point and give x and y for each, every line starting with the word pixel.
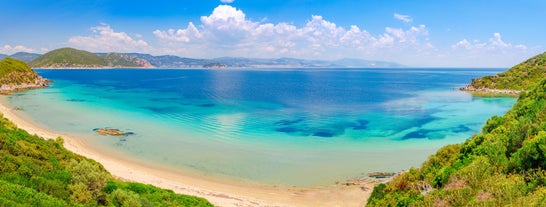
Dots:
pixel 298 127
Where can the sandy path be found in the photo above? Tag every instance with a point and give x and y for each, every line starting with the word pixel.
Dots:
pixel 220 193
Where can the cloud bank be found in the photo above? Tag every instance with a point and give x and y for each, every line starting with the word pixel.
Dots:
pixel 227 31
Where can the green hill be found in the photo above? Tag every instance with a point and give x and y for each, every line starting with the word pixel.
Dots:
pixel 73 58
pixel 505 165
pixel 17 75
pixel 68 58
pixel 39 172
pixel 521 77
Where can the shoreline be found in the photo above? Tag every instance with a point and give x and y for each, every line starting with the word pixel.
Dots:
pixel 219 193
pixel 490 92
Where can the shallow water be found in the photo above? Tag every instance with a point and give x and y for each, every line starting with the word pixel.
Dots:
pixel 300 127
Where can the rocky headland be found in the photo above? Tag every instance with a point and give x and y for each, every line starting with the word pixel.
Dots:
pixel 16 75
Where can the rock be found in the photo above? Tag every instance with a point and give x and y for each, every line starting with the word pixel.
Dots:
pixel 489 91
pixel 111 132
pixel 381 174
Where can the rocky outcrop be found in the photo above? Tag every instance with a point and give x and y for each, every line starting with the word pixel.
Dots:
pixel 16 75
pixel 111 132
pixel 489 91
pixel 39 82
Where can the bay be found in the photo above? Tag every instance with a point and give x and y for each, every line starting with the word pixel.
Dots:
pixel 294 127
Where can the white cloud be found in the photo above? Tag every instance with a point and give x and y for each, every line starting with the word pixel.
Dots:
pixel 494 43
pixel 181 35
pixel 404 18
pixel 227 1
pixel 104 38
pixel 228 32
pixel 492 53
pixel 9 50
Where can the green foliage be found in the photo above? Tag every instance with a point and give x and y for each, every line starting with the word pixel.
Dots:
pixel 39 172
pixel 503 166
pixel 121 60
pixel 521 77
pixel 67 57
pixel 124 198
pixel 73 58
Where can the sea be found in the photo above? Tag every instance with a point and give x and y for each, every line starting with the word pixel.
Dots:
pixel 276 127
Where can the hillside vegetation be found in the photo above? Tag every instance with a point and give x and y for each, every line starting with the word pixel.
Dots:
pixel 73 58
pixel 15 75
pixel 123 60
pixel 504 165
pixel 39 172
pixel 521 77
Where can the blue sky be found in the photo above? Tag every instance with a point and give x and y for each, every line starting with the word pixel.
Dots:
pixel 456 33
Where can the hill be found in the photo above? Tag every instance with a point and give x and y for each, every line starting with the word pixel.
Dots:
pixel 73 58
pixel 123 60
pixel 504 165
pixel 25 56
pixel 68 58
pixel 17 75
pixel 171 61
pixel 521 77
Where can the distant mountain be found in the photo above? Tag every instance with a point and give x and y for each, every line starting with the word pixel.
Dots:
pixel 73 58
pixel 123 60
pixel 2 56
pixel 169 61
pixel 359 63
pixel 25 56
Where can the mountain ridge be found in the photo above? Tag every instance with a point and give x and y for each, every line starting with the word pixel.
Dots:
pixel 74 58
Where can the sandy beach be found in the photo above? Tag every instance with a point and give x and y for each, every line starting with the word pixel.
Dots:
pixel 219 193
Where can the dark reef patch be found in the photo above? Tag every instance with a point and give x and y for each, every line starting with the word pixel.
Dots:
pixel 207 105
pixel 419 134
pixel 286 122
pixel 461 128
pixel 76 100
pixel 160 109
pixel 323 134
pixel 287 129
pixel 164 99
pixel 362 124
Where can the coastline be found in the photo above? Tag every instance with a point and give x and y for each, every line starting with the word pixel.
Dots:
pixel 490 92
pixel 220 193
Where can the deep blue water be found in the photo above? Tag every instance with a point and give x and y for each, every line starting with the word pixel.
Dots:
pixel 268 126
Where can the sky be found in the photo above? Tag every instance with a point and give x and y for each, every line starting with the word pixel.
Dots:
pixel 416 33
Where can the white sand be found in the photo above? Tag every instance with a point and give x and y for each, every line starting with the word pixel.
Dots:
pixel 219 193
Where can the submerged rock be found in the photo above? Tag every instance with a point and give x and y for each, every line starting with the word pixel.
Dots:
pixel 111 132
